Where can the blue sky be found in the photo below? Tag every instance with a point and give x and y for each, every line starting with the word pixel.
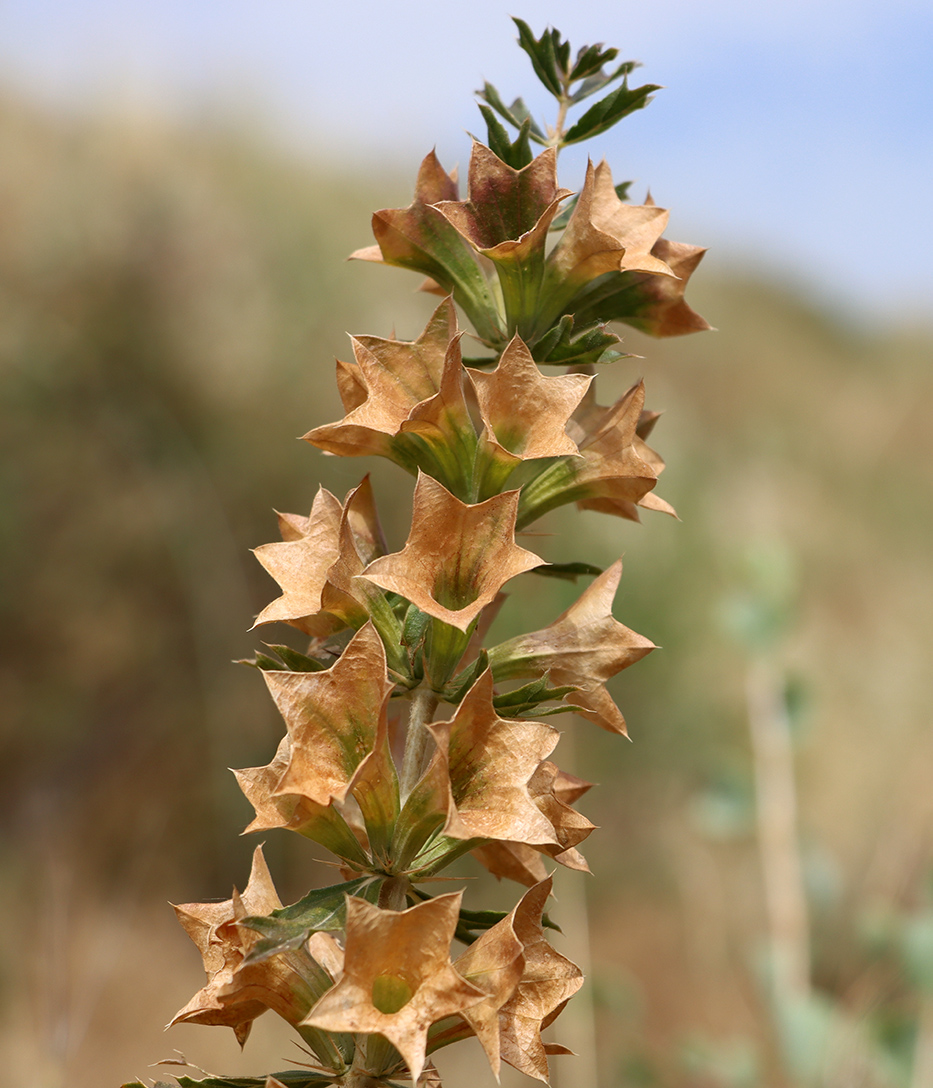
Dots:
pixel 795 135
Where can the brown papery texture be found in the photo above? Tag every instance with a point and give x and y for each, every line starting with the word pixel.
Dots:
pixel 458 555
pixel 585 646
pixel 411 949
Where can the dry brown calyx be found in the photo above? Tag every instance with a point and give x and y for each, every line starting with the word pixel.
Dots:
pixel 398 979
pixel 236 994
pixel 585 646
pixel 525 413
pixel 458 555
pixel 317 559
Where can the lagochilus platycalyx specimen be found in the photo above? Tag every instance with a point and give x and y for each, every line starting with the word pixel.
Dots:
pixel 408 741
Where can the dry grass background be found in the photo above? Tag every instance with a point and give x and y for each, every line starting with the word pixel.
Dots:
pixel 170 304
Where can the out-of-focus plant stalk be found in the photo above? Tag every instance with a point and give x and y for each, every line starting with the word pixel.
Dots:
pixel 776 800
pixel 922 1074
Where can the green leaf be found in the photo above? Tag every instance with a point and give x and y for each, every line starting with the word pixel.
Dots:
pixel 590 61
pixel 605 113
pixel 321 910
pixel 262 662
pixel 440 852
pixel 561 51
pixel 558 348
pixel 569 571
pixel 414 634
pixel 549 341
pixel 422 816
pixel 376 791
pixel 529 697
pixel 463 681
pixel 291 660
pixel 517 114
pixel 296 661
pixel 602 79
pixel 490 95
pixel 521 111
pixel 539 711
pixel 542 54
pixel 516 154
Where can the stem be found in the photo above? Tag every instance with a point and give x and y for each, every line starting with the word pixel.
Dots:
pixel 561 118
pixel 423 705
pixel 558 130
pixel 359 1077
pixel 393 893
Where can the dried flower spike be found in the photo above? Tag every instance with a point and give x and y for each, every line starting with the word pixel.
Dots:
pixel 407 743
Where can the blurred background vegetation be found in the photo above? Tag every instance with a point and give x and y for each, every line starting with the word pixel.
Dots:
pixel 171 301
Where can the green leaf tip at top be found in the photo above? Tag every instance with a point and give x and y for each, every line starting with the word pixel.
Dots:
pixel 545 53
pixel 551 60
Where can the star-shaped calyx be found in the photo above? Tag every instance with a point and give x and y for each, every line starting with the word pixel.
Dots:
pixel 507 219
pixel 325 824
pixel 548 981
pixel 422 239
pixel 645 300
pixel 553 792
pixel 610 464
pixel 405 402
pixel 526 985
pixel 235 993
pixel 509 211
pixel 398 979
pixel 585 646
pixel 604 234
pixel 317 559
pixel 660 308
pixel 489 762
pixel 593 426
pixel 333 718
pixel 525 414
pixel 458 555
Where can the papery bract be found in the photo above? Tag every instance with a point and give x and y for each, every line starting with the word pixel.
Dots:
pixel 398 979
pixel 490 762
pixel 525 413
pixel 585 646
pixel 317 560
pixel 458 555
pixel 548 981
pixel 235 993
pixel 333 718
pixel 420 238
pixel 509 211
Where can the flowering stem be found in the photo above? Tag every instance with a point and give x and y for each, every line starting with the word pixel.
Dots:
pixel 359 1077
pixel 423 705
